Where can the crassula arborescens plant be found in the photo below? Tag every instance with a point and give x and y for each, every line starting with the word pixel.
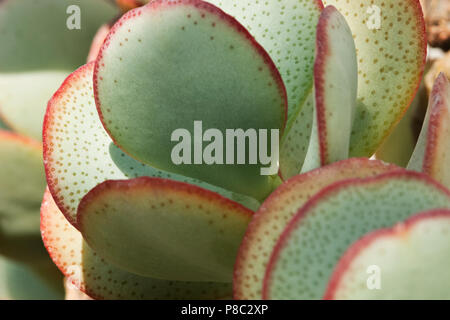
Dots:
pixel 121 219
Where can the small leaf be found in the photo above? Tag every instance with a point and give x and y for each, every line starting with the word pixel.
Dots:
pixel 335 85
pixel 432 155
pixel 320 232
pixel 164 229
pixel 23 97
pixel 168 64
pixel 391 51
pixel 101 280
pixel 269 221
pixel 79 154
pixel 407 262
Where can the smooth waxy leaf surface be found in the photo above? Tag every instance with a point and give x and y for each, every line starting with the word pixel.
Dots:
pixel 270 220
pixel 399 146
pixel 164 229
pixel 79 154
pixel 22 183
pixel 391 51
pixel 168 64
pixel 335 86
pixel 408 262
pixel 102 280
pixel 286 29
pixel 40 51
pixel 329 223
pixel 432 152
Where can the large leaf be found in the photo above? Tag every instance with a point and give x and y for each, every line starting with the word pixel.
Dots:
pixel 409 261
pixel 39 51
pixel 335 86
pixel 79 154
pixel 321 231
pixel 269 221
pixel 164 229
pixel 22 183
pixel 286 29
pixel 168 64
pixel 391 50
pixel 101 280
pixel 432 152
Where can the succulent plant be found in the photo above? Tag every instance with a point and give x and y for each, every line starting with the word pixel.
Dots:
pixel 122 220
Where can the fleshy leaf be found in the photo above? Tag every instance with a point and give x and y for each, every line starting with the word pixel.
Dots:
pixel 3 125
pixel 41 50
pixel 332 99
pixel 101 280
pixel 432 152
pixel 296 141
pixel 391 50
pixel 269 221
pixel 22 183
pixel 164 229
pixel 286 29
pixel 321 231
pixel 79 154
pixel 407 262
pixel 159 71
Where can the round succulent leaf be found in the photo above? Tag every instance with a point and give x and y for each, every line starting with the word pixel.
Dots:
pixel 101 280
pixel 391 45
pixel 164 229
pixel 432 152
pixel 170 63
pixel 335 85
pixel 287 30
pixel 271 218
pixel 320 232
pixel 79 154
pixel 406 262
pixel 296 140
